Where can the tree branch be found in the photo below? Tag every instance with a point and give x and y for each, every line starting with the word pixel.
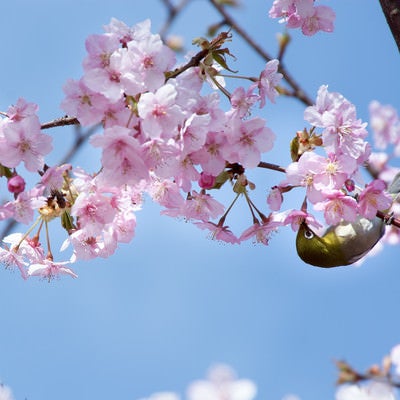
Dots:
pixel 391 9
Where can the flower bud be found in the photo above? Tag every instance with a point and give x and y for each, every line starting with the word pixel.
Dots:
pixel 16 184
pixel 350 185
pixel 206 181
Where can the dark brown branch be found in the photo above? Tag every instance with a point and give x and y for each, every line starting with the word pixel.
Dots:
pixel 63 121
pixel 390 219
pixel 274 167
pixel 193 62
pixel 391 9
pixel 298 92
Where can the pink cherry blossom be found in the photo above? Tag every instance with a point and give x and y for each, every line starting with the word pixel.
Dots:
pixel 83 103
pixel 343 133
pixel 93 211
pixel 289 8
pixel 373 199
pixel 202 206
pixel 86 247
pixel 338 207
pixel 23 142
pixel 106 81
pixel 303 172
pixel 125 33
pixel 334 171
pixel 321 20
pixel 160 115
pixel 218 231
pixel 166 193
pixel 248 139
pixel 303 13
pixel 150 59
pixel 242 101
pixel 99 50
pixel 385 124
pixel 121 157
pixel 211 156
pixel 268 80
pixel 49 269
pixel 260 232
pixel 194 132
pixel 22 109
pixel 296 217
pixel 25 205
pixel 11 257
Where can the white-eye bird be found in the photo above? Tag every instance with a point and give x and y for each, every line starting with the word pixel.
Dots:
pixel 342 244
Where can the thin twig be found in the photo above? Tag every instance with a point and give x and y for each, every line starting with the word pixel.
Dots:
pixel 274 167
pixel 63 121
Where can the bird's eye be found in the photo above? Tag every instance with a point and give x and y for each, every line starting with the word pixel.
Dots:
pixel 308 234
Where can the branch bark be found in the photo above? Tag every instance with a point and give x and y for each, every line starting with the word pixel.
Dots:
pixel 391 9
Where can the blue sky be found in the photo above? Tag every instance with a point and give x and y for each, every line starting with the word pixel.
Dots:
pixel 157 314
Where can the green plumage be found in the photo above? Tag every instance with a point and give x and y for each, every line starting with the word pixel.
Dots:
pixel 345 243
pixel 341 244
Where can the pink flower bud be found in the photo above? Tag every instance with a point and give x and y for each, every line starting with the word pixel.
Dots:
pixel 206 181
pixel 350 186
pixel 16 184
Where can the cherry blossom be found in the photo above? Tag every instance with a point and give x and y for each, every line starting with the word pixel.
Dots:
pixel 337 207
pixel 385 124
pixel 268 81
pixel 373 199
pixel 370 391
pixel 22 141
pixel 219 232
pixel 303 14
pixel 50 270
pixel 222 385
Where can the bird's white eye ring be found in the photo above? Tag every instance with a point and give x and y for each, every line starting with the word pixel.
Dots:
pixel 308 234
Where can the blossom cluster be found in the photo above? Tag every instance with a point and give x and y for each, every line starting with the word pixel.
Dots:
pixel 333 181
pixel 163 134
pixel 221 383
pixel 303 14
pixel 166 133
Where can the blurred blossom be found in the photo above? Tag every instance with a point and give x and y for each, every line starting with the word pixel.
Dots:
pixel 291 397
pixel 161 396
pixel 222 384
pixel 370 391
pixel 5 393
pixel 395 358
